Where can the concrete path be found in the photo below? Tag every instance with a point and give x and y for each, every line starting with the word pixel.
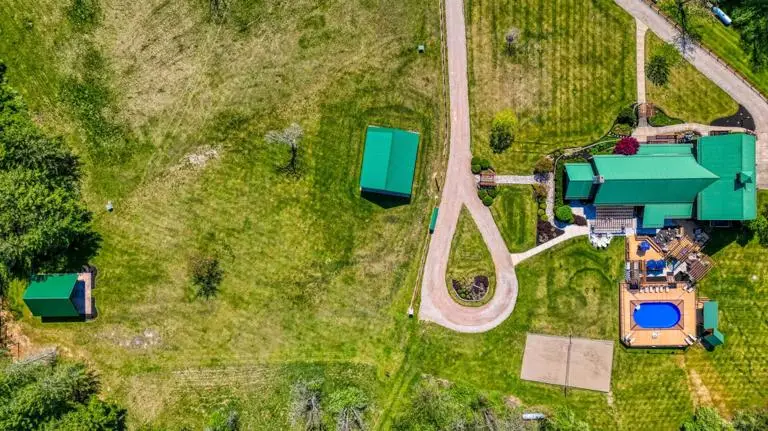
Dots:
pixel 459 190
pixel 713 69
pixel 640 51
pixel 640 68
pixel 515 179
pixel 571 231
pixel 642 133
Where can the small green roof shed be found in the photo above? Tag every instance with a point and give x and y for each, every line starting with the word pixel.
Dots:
pixel 716 338
pixel 389 161
pixel 710 315
pixel 50 295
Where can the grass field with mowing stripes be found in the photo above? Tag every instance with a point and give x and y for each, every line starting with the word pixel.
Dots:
pixel 688 95
pixel 316 279
pixel 724 41
pixel 515 212
pixel 572 71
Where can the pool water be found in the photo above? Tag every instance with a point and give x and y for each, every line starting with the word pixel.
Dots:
pixel 656 315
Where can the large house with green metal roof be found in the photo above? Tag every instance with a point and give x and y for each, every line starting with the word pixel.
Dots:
pixel 667 181
pixel 389 161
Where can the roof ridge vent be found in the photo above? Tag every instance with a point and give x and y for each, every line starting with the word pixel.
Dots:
pixel 598 179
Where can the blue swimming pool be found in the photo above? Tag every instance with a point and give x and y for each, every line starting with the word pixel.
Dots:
pixel 657 315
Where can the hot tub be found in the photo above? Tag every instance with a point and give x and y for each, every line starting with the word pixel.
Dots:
pixel 656 315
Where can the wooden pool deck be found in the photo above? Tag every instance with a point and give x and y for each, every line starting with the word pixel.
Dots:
pixel 634 336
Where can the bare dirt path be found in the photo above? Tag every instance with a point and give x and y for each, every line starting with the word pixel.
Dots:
pixel 459 190
pixel 708 65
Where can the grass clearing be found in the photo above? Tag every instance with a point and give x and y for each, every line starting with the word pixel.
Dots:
pixel 515 213
pixel 724 41
pixel 311 280
pixel 688 95
pixel 566 81
pixel 469 258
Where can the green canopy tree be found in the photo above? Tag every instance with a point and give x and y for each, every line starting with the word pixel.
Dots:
pixel 750 17
pixel 43 224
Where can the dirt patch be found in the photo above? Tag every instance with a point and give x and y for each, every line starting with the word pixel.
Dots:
pixel 18 344
pixel 513 402
pixel 700 391
pixel 149 337
pixel 473 290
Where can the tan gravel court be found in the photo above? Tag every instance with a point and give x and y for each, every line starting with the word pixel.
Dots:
pixel 568 361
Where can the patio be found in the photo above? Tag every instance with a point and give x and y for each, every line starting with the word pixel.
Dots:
pixel 682 334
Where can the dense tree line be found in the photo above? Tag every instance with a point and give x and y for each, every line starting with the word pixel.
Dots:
pixel 54 396
pixel 750 18
pixel 44 226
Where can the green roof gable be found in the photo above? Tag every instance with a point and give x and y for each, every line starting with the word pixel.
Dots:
pixel 734 195
pixel 710 315
pixel 650 179
pixel 716 338
pixel 389 161
pixel 50 295
pixel 657 149
pixel 579 179
pixel 655 214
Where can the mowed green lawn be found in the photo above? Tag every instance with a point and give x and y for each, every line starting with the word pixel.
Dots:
pixel 724 41
pixel 316 280
pixel 689 95
pixel 469 258
pixel 572 289
pixel 515 212
pixel 573 69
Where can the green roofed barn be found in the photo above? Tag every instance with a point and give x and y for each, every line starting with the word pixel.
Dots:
pixel 59 295
pixel 51 295
pixel 389 161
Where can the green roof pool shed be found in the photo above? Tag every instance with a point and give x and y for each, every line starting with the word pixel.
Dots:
pixel 389 161
pixel 50 295
pixel 734 195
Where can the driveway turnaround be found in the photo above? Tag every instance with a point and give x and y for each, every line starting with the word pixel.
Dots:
pixel 713 69
pixel 460 190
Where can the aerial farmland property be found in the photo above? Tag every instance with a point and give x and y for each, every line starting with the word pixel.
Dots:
pixel 378 214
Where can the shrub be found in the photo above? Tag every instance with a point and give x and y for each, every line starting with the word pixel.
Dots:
pixel 564 214
pixel 476 169
pixel 657 70
pixel 544 165
pixel 482 193
pixel 542 213
pixel 492 192
pixel 705 419
pixel 485 164
pixel 542 205
pixel 487 201
pixel 564 420
pixel 759 227
pixel 503 130
pixel 579 220
pixel 206 275
pixel 540 191
pixel 627 116
pixel 627 146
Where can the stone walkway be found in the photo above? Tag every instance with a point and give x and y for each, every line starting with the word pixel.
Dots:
pixel 503 180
